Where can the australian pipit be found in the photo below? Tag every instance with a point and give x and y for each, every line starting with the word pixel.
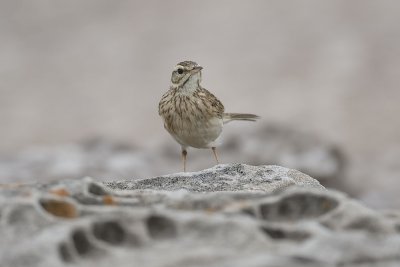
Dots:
pixel 191 114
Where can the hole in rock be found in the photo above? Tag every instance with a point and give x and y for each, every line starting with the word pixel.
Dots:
pixel 59 208
pixel 277 233
pixel 81 242
pixel 96 189
pixel 65 253
pixel 297 206
pixel 274 233
pixel 20 214
pixel 249 211
pixel 304 260
pixel 109 232
pixel 364 223
pixel 160 227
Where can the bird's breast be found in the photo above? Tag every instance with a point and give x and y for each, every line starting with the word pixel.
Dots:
pixel 191 122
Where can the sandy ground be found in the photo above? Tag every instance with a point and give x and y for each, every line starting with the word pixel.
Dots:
pixel 72 70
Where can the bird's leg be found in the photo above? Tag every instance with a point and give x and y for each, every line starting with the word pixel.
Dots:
pixel 184 153
pixel 214 150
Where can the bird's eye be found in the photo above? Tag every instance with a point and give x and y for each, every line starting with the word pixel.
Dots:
pixel 180 71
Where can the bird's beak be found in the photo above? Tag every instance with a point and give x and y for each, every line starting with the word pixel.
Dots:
pixel 197 69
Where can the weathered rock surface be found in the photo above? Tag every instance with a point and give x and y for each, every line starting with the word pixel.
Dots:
pixel 229 215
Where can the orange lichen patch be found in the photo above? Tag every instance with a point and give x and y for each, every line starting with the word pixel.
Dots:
pixel 108 200
pixel 59 208
pixel 62 192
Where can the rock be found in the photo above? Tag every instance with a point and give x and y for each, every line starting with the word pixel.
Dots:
pixel 225 177
pixel 229 215
pixel 287 146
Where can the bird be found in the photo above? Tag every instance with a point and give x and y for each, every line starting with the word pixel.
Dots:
pixel 192 115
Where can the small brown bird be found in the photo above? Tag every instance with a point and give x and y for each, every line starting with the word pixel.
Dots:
pixel 191 114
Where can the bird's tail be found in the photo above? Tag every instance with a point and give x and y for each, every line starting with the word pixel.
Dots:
pixel 228 117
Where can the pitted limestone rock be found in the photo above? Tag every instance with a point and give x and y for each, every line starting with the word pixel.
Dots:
pixel 229 215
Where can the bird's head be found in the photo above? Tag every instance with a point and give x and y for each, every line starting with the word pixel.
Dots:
pixel 186 74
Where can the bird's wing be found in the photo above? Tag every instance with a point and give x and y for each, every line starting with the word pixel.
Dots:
pixel 211 102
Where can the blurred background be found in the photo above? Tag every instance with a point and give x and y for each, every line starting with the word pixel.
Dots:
pixel 80 83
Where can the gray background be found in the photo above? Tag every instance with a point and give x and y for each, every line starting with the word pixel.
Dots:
pixel 71 70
